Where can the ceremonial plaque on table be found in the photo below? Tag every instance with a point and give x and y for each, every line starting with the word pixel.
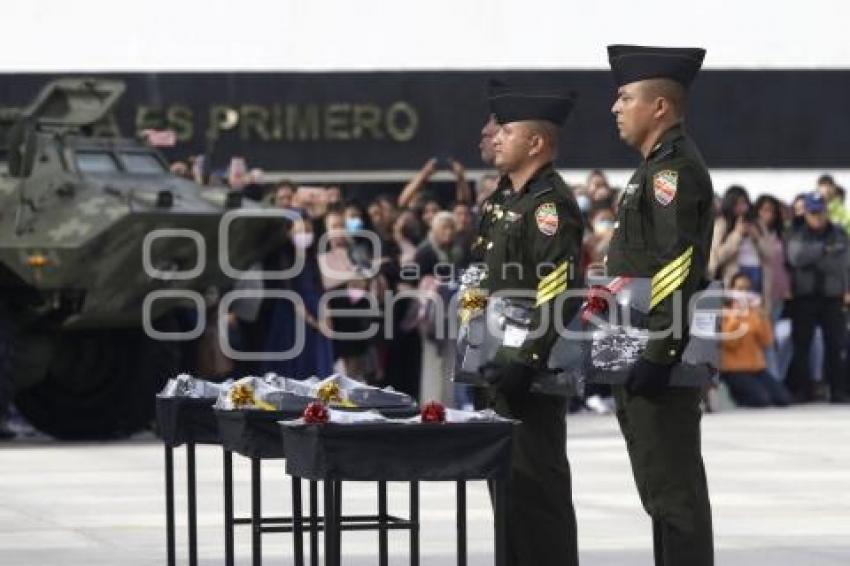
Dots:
pixel 619 333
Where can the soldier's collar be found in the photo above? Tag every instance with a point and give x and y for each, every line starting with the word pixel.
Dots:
pixel 538 182
pixel 665 143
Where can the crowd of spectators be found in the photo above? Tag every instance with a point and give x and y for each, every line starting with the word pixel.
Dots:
pixel 786 265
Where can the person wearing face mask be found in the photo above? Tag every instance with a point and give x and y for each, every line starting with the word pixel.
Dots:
pixel 316 356
pixel 344 265
pixel 354 217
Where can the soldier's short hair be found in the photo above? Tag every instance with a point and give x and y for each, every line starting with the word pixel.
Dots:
pixel 668 89
pixel 548 131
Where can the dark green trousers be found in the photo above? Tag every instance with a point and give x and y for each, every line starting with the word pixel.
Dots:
pixel 541 521
pixel 663 439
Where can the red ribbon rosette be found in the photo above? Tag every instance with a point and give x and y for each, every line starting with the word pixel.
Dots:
pixel 316 413
pixel 596 303
pixel 433 412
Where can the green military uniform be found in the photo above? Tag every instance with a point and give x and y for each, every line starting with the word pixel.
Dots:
pixel 531 243
pixel 487 218
pixel 539 225
pixel 663 232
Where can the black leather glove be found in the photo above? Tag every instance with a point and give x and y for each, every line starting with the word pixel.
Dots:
pixel 511 378
pixel 648 379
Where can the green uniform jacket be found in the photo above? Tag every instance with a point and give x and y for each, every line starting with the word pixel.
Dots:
pixel 663 232
pixel 487 218
pixel 532 245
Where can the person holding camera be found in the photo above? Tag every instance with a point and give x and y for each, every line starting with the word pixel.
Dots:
pixel 740 245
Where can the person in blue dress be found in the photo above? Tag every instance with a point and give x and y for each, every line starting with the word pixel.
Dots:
pixel 282 316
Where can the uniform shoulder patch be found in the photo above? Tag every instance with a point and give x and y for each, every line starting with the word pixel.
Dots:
pixel 546 215
pixel 664 185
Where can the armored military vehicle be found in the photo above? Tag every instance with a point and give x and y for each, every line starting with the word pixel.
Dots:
pixel 77 208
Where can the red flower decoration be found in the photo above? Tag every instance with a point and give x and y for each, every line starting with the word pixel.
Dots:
pixel 433 412
pixel 315 413
pixel 596 302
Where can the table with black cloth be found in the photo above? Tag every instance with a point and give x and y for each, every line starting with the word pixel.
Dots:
pixel 410 452
pixel 184 421
pixel 256 435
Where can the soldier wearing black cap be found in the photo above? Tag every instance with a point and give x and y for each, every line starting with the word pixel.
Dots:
pixel 531 253
pixel 663 232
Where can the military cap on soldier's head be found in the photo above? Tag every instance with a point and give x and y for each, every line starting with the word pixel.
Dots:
pixel 512 106
pixel 631 63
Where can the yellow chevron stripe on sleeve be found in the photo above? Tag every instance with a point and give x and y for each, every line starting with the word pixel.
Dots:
pixel 543 297
pixel 553 276
pixel 671 277
pixel 662 293
pixel 548 287
pixel 673 265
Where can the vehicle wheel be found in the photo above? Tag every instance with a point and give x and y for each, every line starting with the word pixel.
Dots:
pixel 101 384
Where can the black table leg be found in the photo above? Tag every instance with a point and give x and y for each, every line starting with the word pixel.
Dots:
pixel 383 554
pixel 330 513
pixel 297 525
pixel 337 522
pixel 414 523
pixel 500 516
pixel 228 508
pixel 169 507
pixel 256 514
pixel 192 503
pixel 461 523
pixel 314 523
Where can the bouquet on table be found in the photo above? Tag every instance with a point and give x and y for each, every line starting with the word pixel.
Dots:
pixel 275 393
pixel 187 386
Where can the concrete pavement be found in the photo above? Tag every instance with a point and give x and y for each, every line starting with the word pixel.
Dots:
pixel 779 480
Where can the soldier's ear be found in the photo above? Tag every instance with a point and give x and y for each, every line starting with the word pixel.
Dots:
pixel 662 107
pixel 536 144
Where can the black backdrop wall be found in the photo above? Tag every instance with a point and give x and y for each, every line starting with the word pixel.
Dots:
pixel 395 120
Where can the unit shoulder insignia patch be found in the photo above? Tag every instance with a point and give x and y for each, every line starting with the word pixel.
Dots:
pixel 546 216
pixel 664 185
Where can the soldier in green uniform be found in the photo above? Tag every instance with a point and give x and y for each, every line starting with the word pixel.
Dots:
pixel 532 248
pixel 663 232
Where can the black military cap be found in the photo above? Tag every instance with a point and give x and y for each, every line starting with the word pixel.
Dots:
pixel 512 106
pixel 632 63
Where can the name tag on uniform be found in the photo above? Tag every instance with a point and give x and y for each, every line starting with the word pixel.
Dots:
pixel 512 216
pixel 631 188
pixel 514 336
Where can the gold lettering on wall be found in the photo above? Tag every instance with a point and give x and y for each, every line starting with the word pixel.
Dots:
pixel 402 121
pixel 286 122
pixel 302 123
pixel 338 122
